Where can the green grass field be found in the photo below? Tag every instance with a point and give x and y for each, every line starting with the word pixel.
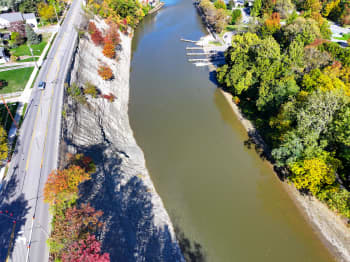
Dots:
pixel 23 50
pixel 16 79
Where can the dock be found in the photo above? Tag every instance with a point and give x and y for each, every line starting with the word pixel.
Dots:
pixel 191 54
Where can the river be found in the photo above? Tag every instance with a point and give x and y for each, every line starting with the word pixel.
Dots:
pixel 224 200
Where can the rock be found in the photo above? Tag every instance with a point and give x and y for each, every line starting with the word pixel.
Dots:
pixel 137 226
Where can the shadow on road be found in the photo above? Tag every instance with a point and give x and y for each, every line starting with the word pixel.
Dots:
pixel 13 210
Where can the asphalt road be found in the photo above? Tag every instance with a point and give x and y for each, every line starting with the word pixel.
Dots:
pixel 36 155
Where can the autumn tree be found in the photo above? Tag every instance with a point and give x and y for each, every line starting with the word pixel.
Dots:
pixel 313 174
pixel 3 144
pixel 46 11
pixel 85 250
pixel 112 34
pixel 96 37
pixel 85 162
pixel 105 72
pixel 62 185
pixel 73 224
pixel 109 49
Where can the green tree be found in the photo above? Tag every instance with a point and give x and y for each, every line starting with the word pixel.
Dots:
pixel 32 37
pixel 256 9
pixel 220 4
pixel 340 129
pixel 236 16
pixel 284 8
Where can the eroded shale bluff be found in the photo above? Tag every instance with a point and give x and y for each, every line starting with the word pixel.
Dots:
pixel 137 226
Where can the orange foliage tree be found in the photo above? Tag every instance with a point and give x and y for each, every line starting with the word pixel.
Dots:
pixel 96 35
pixel 105 72
pixel 108 49
pixel 62 185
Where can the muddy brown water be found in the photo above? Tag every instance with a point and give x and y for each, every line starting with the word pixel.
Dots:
pixel 224 200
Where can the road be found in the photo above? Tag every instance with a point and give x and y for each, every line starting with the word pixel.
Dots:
pixel 36 155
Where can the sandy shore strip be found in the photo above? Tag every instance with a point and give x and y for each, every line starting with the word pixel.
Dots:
pixel 328 225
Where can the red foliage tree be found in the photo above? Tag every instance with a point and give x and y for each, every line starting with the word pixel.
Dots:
pixel 113 34
pixel 105 72
pixel 92 27
pixel 110 97
pixel 18 27
pixel 88 250
pixel 73 224
pixel 96 37
pixel 62 185
pixel 108 49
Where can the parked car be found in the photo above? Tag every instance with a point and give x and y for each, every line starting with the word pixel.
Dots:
pixel 41 85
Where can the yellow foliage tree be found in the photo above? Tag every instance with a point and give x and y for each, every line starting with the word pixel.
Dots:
pixel 313 174
pixel 46 12
pixel 3 144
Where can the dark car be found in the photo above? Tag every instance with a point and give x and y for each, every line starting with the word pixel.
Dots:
pixel 41 85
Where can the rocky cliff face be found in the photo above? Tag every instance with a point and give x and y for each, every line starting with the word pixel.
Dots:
pixel 137 226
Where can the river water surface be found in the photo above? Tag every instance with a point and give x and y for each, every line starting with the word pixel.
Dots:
pixel 225 201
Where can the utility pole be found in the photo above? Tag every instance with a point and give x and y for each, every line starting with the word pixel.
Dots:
pixel 8 110
pixel 31 51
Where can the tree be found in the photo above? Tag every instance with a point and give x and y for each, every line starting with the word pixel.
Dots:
pixel 105 72
pixel 313 174
pixel 32 37
pixel 3 144
pixel 62 185
pixel 96 37
pixel 73 224
pixel 46 11
pixel 304 30
pixel 85 250
pixel 284 8
pixel 256 8
pixel 220 4
pixel 109 49
pixel 236 16
pixel 28 6
pixel 340 129
pixel 113 34
pixel 84 162
pixel 18 27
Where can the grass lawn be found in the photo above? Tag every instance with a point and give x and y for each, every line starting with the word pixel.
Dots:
pixel 5 119
pixel 23 50
pixel 344 37
pixel 16 79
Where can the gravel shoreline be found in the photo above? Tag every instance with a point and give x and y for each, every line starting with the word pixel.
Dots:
pixel 331 229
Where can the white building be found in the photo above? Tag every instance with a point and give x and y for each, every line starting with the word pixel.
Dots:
pixel 7 18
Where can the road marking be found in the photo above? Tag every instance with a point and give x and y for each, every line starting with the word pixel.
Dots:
pixel 11 241
pixel 31 140
pixel 47 74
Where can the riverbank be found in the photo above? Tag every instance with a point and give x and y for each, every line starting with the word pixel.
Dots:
pixel 137 226
pixel 330 227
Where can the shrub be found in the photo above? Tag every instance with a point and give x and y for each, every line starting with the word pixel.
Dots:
pixel 92 28
pixel 13 58
pixel 236 16
pixel 110 97
pixel 108 49
pixel 105 72
pixel 75 92
pixel 90 89
pixel 96 35
pixel 112 34
pixel 220 4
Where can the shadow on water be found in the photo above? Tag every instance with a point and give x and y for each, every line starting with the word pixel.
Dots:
pixel 192 251
pixel 13 210
pixel 129 233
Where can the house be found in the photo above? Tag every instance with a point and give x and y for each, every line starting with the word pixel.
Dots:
pixel 152 3
pixel 7 18
pixel 3 57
